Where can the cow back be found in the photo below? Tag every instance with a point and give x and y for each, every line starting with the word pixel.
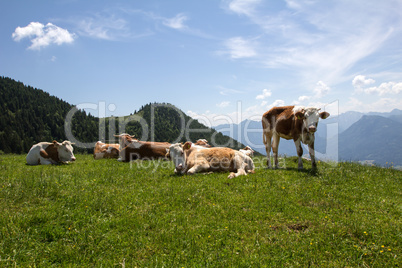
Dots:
pixel 145 150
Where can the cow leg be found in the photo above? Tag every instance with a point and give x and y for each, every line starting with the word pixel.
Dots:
pixel 240 166
pixel 312 155
pixel 299 150
pixel 275 145
pixel 238 173
pixel 44 161
pixel 198 168
pixel 267 138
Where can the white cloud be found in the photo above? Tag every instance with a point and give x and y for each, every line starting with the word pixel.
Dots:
pixel 321 89
pixel 43 35
pixel 228 91
pixel 354 102
pixel 277 103
pixel 239 48
pixel 303 98
pixel 243 7
pixel 322 40
pixel 177 22
pixel 265 94
pixel 105 27
pixel 223 104
pixel 293 4
pixel 378 105
pixel 360 81
pixel 385 88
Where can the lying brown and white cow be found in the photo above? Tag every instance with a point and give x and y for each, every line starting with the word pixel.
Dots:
pixel 202 143
pixel 190 160
pixel 291 122
pixel 104 150
pixel 45 153
pixel 247 151
pixel 132 149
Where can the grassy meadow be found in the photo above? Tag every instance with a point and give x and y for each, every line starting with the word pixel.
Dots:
pixel 109 214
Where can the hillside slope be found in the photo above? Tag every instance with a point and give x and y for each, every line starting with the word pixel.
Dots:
pixel 372 138
pixel 29 115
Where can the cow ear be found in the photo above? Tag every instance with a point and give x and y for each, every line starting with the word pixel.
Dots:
pixel 299 115
pixel 187 145
pixel 324 115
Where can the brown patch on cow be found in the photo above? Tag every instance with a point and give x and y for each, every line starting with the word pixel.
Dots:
pixel 50 152
pixel 284 122
pixel 144 150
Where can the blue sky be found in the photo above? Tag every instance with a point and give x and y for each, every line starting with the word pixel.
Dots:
pixel 212 59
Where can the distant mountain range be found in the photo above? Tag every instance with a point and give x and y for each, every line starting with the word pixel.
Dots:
pixel 351 136
pixel 29 115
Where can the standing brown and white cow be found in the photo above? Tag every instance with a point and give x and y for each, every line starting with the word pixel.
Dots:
pixel 291 122
pixel 132 149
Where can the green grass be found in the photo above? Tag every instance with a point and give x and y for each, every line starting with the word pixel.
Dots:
pixel 109 214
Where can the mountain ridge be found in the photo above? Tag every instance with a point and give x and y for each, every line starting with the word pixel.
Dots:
pixel 29 115
pixel 328 134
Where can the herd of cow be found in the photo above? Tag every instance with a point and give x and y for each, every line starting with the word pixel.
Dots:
pixel 289 122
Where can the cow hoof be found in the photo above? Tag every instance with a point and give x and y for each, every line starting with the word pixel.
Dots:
pixel 231 175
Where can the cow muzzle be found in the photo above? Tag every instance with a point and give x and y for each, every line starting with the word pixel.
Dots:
pixel 73 159
pixel 312 129
pixel 179 167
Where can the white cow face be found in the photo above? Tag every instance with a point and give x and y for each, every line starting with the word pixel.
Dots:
pixel 310 117
pixel 65 151
pixel 177 155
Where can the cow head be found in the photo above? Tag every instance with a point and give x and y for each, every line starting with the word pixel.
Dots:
pixel 203 143
pixel 248 151
pixel 125 140
pixel 310 117
pixel 65 151
pixel 176 153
